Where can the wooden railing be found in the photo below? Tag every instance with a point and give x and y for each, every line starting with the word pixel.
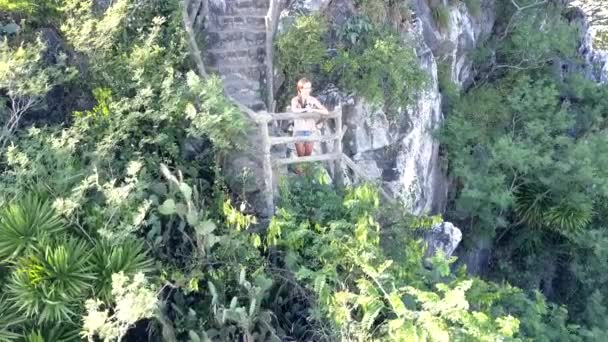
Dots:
pixel 337 156
pixel 270 165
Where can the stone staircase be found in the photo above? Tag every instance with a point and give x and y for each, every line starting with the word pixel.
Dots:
pixel 236 48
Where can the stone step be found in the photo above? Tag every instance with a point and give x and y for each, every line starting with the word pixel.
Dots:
pixel 250 3
pixel 246 11
pixel 233 31
pixel 240 22
pixel 253 73
pixel 215 39
pixel 235 34
pixel 247 4
pixel 255 54
pixel 232 87
pixel 213 60
pixel 220 47
pixel 236 61
pixel 253 49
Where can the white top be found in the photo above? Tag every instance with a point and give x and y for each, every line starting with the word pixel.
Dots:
pixel 304 125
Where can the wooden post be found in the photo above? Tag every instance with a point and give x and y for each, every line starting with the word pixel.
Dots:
pixel 267 164
pixel 270 19
pixel 338 148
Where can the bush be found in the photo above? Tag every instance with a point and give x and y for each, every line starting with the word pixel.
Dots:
pixel 375 64
pixel 474 7
pixel 383 72
pixel 441 16
pixel 301 48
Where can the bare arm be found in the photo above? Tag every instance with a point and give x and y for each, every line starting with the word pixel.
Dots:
pixel 319 108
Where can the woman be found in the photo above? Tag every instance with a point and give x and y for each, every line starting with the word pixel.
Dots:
pixel 304 103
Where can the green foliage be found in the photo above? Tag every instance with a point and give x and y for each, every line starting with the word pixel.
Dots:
pixel 364 295
pixel 447 87
pixel 539 320
pixel 530 40
pixel 142 168
pixel 8 321
pixel 474 7
pixel 382 71
pixel 38 10
pixel 216 117
pixel 300 49
pixel 598 20
pixel 25 79
pixel 373 63
pixel 441 16
pixel 108 258
pixel 508 144
pixel 355 31
pixel 134 300
pixel 527 153
pixel 386 12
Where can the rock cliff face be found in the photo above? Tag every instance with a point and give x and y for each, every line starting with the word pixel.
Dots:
pixel 403 155
pixel 406 157
pixel 596 67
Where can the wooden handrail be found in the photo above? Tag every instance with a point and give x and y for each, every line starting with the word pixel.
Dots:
pixel 297 116
pixel 320 157
pixel 288 140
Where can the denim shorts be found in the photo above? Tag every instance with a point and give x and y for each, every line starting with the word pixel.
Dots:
pixel 302 133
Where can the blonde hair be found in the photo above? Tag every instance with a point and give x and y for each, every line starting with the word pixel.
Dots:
pixel 301 83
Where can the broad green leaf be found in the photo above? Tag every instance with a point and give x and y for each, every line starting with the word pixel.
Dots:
pixel 205 228
pixel 193 336
pixel 192 218
pixel 186 191
pixel 11 28
pixel 168 207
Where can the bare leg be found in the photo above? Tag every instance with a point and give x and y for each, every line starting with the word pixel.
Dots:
pixel 309 147
pixel 300 149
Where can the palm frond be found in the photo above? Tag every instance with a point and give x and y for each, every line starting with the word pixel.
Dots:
pixel 51 284
pixel 24 224
pixel 535 206
pixel 63 333
pixel 531 203
pixel 569 216
pixel 128 257
pixel 10 321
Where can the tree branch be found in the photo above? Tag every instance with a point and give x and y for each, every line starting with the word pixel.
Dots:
pixel 519 9
pixel 195 53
